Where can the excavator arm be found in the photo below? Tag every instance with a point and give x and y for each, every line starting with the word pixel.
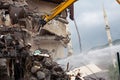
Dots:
pixel 56 11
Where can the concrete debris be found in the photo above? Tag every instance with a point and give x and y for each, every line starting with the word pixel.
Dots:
pixel 40 75
pixel 18 24
pixel 58 28
pixel 35 68
pixel 41 67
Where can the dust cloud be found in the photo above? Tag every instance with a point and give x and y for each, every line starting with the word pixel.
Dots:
pixel 101 57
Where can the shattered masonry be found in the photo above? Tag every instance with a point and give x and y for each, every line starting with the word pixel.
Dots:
pixel 20 36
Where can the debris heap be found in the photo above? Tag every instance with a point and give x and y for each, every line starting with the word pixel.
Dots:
pixel 43 67
pixel 38 66
pixel 18 24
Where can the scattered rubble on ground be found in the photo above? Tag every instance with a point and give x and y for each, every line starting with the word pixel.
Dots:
pixel 41 67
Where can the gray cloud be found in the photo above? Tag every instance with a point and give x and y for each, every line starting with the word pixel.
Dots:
pixel 89 17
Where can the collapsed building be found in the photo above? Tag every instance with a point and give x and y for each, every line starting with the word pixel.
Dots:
pixel 54 36
pixel 21 36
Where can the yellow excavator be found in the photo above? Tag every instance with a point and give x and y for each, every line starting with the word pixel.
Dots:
pixel 56 11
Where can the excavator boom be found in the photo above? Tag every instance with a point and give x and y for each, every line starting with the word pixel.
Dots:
pixel 56 11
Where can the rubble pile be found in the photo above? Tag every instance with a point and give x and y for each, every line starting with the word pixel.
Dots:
pixel 18 24
pixel 38 66
pixel 44 68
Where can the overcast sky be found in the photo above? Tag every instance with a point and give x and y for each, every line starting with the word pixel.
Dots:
pixel 90 21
